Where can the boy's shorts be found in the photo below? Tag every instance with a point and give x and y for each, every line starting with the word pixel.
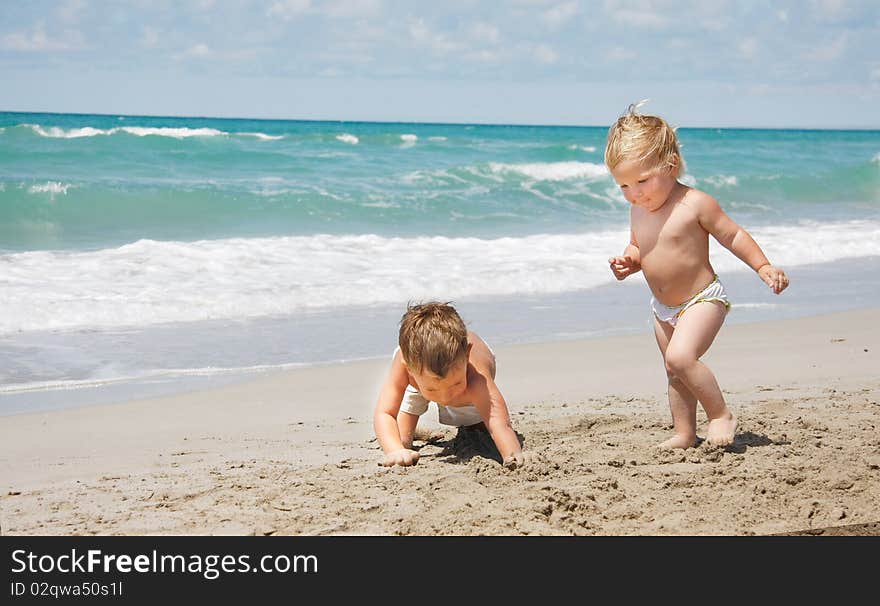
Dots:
pixel 670 315
pixel 458 416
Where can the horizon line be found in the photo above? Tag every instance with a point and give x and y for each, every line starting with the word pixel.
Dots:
pixel 428 122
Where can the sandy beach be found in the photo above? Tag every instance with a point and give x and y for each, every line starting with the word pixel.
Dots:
pixel 293 453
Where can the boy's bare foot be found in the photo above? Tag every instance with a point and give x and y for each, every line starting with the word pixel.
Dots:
pixel 678 441
pixel 720 431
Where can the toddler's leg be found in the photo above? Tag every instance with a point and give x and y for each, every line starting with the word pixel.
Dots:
pixel 693 334
pixel 682 403
pixel 406 424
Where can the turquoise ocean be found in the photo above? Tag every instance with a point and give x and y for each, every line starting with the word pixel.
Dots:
pixel 147 255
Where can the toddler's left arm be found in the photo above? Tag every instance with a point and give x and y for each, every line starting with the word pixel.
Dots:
pixel 773 277
pixel 738 241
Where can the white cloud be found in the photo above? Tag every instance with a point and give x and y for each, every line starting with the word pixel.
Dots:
pixel 196 51
pixel 289 9
pixel 830 9
pixel 748 48
pixel 639 14
pixel 829 52
pixel 485 32
pixel 618 53
pixel 149 37
pixel 561 14
pixel 546 55
pixel 37 40
pixel 423 36
pixel 353 8
pixel 716 24
pixel 874 76
pixel 70 11
pixel 485 56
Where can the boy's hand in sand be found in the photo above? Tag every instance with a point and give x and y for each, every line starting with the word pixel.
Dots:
pixel 522 458
pixel 773 277
pixel 403 457
pixel 623 266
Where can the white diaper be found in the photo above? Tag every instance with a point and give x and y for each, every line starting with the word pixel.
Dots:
pixel 670 315
pixel 458 416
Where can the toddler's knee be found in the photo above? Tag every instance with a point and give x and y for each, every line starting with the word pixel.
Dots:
pixel 678 363
pixel 671 376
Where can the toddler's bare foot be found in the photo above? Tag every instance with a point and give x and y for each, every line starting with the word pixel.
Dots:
pixel 678 441
pixel 720 431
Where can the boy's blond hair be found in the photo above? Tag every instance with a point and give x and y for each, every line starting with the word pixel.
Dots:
pixel 648 140
pixel 432 336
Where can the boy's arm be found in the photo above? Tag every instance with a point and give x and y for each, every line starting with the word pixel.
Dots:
pixel 738 241
pixel 385 416
pixel 493 409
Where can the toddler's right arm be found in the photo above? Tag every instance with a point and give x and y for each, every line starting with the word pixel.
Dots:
pixel 629 262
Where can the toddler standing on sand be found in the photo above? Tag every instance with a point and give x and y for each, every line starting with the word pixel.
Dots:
pixel 670 224
pixel 439 360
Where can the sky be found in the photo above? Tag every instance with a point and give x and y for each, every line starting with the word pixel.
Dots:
pixel 702 63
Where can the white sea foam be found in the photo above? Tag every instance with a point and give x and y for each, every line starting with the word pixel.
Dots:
pixel 750 206
pixel 876 159
pixel 347 138
pixel 552 171
pixel 150 282
pixel 721 180
pixel 140 131
pixel 51 187
pixel 262 136
pixel 437 138
pixel 586 148
pixel 177 133
pixel 748 305
pixel 409 138
pixel 63 384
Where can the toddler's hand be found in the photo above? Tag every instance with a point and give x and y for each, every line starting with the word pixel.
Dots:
pixel 773 277
pixel 622 267
pixel 522 458
pixel 403 457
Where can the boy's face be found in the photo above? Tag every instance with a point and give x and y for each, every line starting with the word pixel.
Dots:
pixel 648 187
pixel 443 389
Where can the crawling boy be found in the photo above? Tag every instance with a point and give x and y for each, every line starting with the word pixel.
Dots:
pixel 439 360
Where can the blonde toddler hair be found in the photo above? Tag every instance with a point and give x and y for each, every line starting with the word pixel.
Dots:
pixel 645 139
pixel 432 336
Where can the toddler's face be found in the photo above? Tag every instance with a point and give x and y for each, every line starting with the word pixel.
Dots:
pixel 648 187
pixel 443 389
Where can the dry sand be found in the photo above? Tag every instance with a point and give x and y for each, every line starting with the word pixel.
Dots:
pixel 293 453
